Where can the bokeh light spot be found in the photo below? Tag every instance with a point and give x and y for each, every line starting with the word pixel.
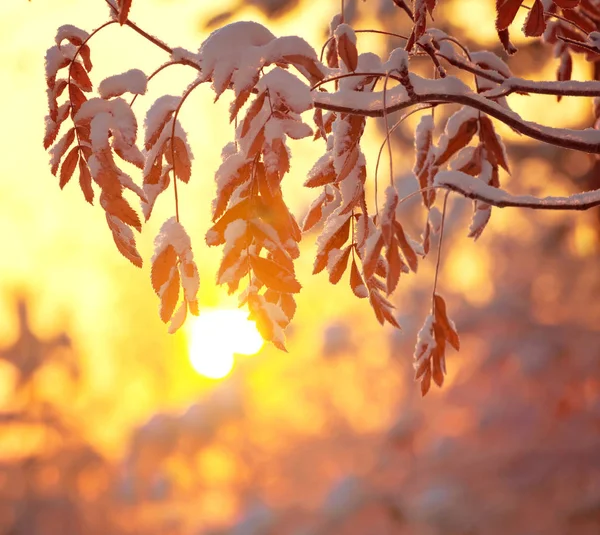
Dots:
pixel 216 336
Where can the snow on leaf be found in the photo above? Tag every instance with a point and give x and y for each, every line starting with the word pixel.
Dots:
pixel 163 262
pixel 74 35
pixel 460 129
pixel 124 239
pixel 346 46
pixel 58 151
pixel 446 324
pixel 157 117
pixel 133 81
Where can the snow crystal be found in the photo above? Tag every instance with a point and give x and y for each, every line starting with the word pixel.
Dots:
pixel 228 150
pixel 133 81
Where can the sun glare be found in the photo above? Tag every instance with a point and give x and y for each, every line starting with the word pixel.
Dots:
pixel 216 336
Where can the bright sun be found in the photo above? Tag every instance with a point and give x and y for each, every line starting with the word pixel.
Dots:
pixel 216 335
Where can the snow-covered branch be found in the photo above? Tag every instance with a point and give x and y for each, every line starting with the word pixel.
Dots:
pixel 476 189
pixel 453 90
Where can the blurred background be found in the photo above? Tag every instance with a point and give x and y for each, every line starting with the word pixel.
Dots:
pixel 108 425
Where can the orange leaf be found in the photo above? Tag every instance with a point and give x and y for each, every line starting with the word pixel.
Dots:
pixel 461 139
pixel 506 12
pixel 79 74
pixel 85 181
pixel 347 51
pixel 121 209
pixel 535 23
pixel 162 266
pixel 338 269
pixel 492 142
pixel 335 241
pixel 68 166
pixel 273 275
pixel 169 297
pixel 447 327
pixel 252 112
pixel 356 282
pixel 406 247
pixel 124 7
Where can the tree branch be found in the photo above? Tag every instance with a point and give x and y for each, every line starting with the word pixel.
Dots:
pixel 474 188
pixel 452 90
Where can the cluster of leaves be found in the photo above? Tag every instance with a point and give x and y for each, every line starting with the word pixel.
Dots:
pixel 251 219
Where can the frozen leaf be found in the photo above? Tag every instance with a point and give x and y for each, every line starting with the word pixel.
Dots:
pixel 506 12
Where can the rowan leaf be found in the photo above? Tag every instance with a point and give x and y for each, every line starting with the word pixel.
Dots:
pixel 274 275
pixel 535 23
pixel 68 166
pixel 162 266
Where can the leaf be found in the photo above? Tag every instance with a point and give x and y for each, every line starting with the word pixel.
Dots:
pixel 447 326
pixel 58 151
pixel 315 212
pixel 395 266
pixel 458 139
pixel 124 240
pixel 372 253
pixel 356 282
pixel 169 297
pixel 242 210
pixel 85 181
pixel 120 208
pixel 68 166
pixel 535 23
pixel 162 266
pixel 335 241
pixel 124 7
pixel 347 52
pixel 310 66
pixel 182 164
pixel 76 97
pixel 80 76
pixel 504 36
pixel 274 275
pixel 322 172
pixel 492 142
pixel 567 4
pixel 339 267
pixel 506 12
pixel 407 250
pixel 252 112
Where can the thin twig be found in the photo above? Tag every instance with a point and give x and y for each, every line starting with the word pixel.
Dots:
pixel 439 253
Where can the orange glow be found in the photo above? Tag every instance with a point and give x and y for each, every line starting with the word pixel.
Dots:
pixel 216 336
